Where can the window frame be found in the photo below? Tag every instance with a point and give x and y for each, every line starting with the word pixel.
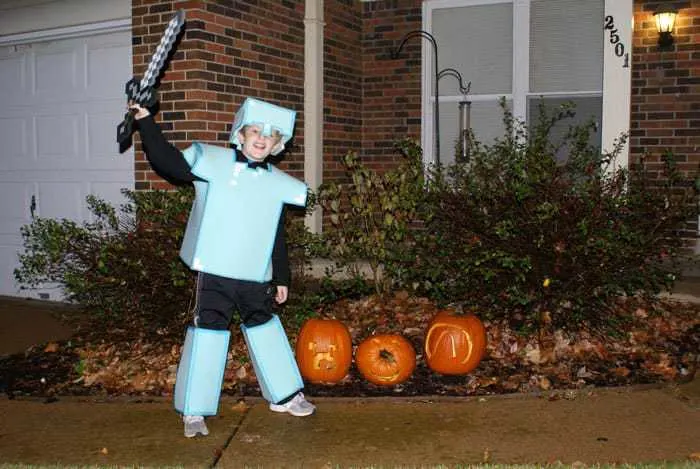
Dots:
pixel 616 84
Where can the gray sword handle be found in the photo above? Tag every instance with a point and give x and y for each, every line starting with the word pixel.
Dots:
pixel 146 98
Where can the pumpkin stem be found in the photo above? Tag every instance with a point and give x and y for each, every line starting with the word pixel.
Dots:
pixel 384 354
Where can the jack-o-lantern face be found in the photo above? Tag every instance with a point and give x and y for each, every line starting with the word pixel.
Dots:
pixel 324 350
pixel 454 345
pixel 386 360
pixel 324 355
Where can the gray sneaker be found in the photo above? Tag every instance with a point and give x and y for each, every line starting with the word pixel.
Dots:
pixel 298 406
pixel 194 424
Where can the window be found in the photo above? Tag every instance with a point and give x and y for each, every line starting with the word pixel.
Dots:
pixel 528 51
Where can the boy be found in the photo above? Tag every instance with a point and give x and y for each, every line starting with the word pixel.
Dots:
pixel 235 240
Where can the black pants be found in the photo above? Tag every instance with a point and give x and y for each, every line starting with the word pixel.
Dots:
pixel 218 297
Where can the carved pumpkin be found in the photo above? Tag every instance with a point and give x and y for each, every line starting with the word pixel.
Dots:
pixel 324 350
pixel 454 345
pixel 385 360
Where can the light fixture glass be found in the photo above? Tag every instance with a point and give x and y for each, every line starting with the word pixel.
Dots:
pixel 665 16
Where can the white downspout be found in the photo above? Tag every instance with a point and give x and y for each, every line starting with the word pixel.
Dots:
pixel 313 104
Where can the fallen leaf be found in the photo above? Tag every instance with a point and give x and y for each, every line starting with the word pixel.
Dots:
pixel 487 456
pixel 139 382
pixel 583 373
pixel 51 347
pixel 240 406
pixel 534 356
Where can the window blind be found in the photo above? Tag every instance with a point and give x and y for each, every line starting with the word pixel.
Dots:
pixel 566 45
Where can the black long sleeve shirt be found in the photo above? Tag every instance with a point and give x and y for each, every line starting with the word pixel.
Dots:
pixel 170 164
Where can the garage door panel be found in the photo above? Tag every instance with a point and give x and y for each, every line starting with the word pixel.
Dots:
pixel 102 146
pixel 56 74
pixel 16 200
pixel 13 78
pixel 61 200
pixel 107 72
pixel 14 135
pixel 8 263
pixel 57 137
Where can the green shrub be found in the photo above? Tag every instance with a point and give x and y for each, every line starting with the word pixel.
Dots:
pixel 515 232
pixel 310 297
pixel 123 266
pixel 372 214
pixel 521 235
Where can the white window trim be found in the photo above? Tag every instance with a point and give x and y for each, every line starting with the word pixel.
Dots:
pixel 616 90
pixel 617 80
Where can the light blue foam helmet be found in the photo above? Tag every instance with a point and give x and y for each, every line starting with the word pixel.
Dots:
pixel 269 116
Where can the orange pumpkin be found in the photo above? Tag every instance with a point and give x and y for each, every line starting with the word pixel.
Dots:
pixel 324 350
pixel 454 345
pixel 385 360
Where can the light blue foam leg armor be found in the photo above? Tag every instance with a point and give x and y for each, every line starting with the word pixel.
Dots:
pixel 201 371
pixel 273 360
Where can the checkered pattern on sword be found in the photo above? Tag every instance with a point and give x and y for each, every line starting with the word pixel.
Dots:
pixel 143 91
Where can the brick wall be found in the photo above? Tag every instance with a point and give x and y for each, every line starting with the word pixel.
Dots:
pixel 666 90
pixel 666 87
pixel 391 105
pixel 342 98
pixel 229 50
pixel 370 99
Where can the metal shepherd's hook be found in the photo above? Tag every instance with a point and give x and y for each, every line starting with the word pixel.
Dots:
pixel 395 55
pixel 464 112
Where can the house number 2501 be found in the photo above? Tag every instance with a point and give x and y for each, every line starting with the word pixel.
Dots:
pixel 615 40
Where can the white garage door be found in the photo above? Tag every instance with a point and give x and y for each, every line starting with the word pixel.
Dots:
pixel 60 102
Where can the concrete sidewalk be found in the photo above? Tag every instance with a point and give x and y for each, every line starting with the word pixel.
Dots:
pixel 592 426
pixel 595 426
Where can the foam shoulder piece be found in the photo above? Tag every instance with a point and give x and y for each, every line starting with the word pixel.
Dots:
pixel 201 371
pixel 273 360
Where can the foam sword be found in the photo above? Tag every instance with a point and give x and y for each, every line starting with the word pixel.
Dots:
pixel 143 91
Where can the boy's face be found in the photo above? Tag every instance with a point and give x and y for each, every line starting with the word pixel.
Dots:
pixel 254 144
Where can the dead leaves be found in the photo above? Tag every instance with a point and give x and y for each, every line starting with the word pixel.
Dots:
pixel 662 345
pixel 51 347
pixel 240 406
pixel 129 367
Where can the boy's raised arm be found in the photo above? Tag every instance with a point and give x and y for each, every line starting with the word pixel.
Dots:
pixel 166 160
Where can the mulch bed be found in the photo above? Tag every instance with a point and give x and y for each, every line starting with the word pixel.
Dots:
pixel 661 345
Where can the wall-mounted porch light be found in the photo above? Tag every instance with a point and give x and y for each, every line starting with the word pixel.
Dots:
pixel 665 16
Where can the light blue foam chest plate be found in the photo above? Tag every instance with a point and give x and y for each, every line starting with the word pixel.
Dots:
pixel 233 221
